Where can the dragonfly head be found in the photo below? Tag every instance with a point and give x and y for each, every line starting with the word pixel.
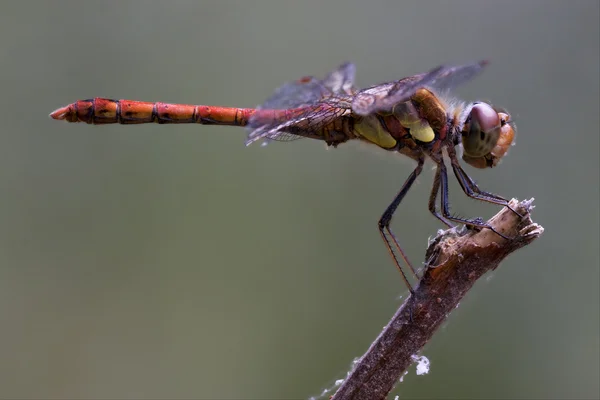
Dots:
pixel 487 134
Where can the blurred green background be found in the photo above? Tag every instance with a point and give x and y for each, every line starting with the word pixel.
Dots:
pixel 172 261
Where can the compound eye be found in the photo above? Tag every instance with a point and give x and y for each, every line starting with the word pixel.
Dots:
pixel 481 131
pixel 506 135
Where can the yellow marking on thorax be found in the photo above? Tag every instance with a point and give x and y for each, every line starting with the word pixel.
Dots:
pixel 420 130
pixel 409 117
pixel 371 129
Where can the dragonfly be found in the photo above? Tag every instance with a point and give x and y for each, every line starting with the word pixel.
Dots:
pixel 415 116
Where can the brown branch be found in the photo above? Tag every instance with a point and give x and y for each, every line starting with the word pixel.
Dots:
pixel 458 260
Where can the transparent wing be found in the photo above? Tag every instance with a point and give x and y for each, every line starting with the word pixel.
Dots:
pixel 304 91
pixel 341 80
pixel 292 124
pixel 311 103
pixel 385 97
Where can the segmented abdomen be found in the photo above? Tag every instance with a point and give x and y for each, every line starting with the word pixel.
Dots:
pixel 106 111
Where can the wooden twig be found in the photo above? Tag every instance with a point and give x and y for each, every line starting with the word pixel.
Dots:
pixel 455 261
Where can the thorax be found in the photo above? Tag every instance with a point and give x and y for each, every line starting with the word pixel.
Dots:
pixel 420 124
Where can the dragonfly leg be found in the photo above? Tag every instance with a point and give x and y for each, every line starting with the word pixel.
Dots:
pixel 472 190
pixel 478 222
pixel 433 197
pixel 384 225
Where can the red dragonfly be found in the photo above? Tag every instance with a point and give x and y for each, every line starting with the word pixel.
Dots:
pixel 412 116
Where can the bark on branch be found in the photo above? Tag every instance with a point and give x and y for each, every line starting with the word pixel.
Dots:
pixel 455 261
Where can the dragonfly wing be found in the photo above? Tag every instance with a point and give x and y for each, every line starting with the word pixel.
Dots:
pixel 310 90
pixel 275 132
pixel 307 121
pixel 341 79
pixel 385 97
pixel 296 94
pixel 311 103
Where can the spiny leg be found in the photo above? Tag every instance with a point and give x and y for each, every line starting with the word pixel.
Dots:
pixel 470 184
pixel 472 190
pixel 386 218
pixel 446 206
pixel 433 197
